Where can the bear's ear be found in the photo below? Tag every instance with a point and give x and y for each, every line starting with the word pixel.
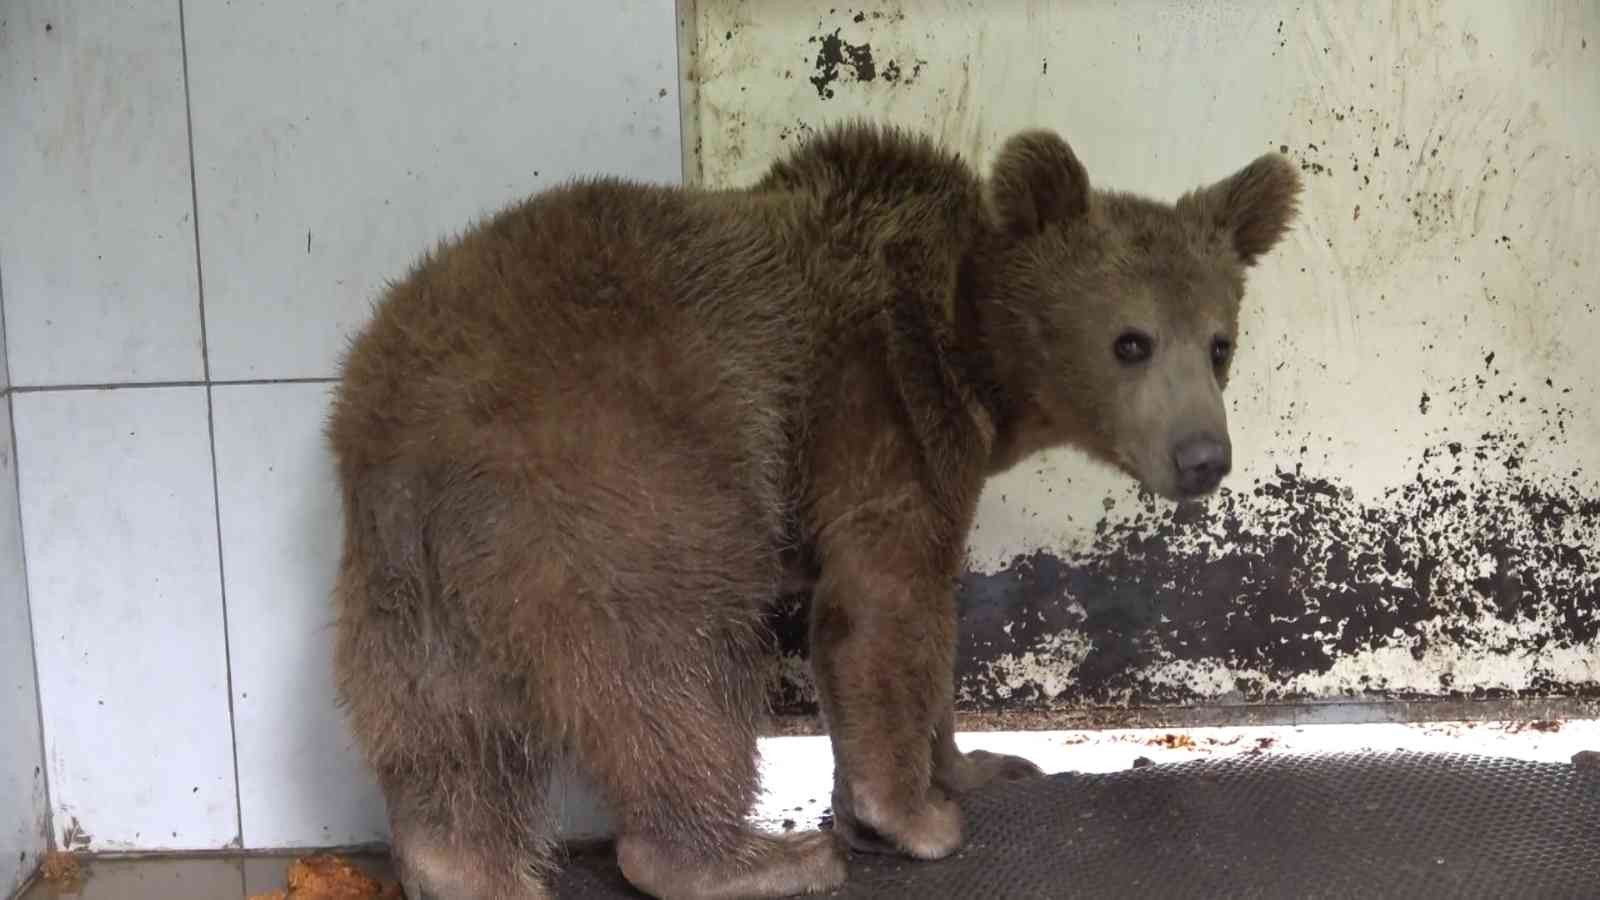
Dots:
pixel 1037 182
pixel 1253 208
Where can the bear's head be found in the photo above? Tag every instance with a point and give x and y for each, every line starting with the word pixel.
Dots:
pixel 1113 318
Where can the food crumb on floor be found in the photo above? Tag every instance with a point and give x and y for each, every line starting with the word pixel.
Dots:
pixel 327 877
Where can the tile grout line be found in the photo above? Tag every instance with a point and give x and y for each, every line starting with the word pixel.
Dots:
pixel 6 397
pixel 5 358
pixel 222 591
pixel 194 202
pixel 33 633
pixel 211 434
pixel 139 385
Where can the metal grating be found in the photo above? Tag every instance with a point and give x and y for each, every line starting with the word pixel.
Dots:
pixel 1404 825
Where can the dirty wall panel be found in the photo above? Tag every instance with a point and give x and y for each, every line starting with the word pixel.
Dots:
pixel 1415 510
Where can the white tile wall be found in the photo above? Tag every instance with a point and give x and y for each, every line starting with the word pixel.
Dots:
pixel 336 142
pixel 96 241
pixel 300 780
pixel 121 542
pixel 332 144
pixel 23 823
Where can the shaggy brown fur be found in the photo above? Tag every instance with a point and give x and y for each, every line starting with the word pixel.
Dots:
pixel 581 447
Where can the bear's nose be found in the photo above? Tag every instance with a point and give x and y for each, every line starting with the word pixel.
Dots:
pixel 1201 463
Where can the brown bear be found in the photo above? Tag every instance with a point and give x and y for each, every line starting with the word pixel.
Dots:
pixel 582 446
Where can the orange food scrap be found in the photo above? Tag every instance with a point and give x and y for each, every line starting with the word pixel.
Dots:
pixel 328 877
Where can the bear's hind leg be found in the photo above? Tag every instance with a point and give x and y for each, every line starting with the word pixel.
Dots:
pixel 676 756
pixel 475 831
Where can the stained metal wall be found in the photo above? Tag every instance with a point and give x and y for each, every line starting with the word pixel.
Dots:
pixel 1416 507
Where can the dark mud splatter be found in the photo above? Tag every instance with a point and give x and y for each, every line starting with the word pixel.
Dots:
pixel 836 55
pixel 837 58
pixel 1285 577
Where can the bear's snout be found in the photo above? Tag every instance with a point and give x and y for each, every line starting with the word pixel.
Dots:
pixel 1201 462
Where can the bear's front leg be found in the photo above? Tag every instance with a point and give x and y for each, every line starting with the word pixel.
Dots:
pixel 883 655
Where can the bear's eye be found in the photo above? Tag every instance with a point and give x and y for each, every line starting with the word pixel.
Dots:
pixel 1133 347
pixel 1221 350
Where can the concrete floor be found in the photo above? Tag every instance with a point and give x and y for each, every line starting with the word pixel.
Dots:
pixel 184 878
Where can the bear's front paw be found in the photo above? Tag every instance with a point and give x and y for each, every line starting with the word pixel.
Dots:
pixel 930 830
pixel 970 771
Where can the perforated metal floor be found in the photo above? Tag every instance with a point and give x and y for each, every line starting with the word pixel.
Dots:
pixel 1402 825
